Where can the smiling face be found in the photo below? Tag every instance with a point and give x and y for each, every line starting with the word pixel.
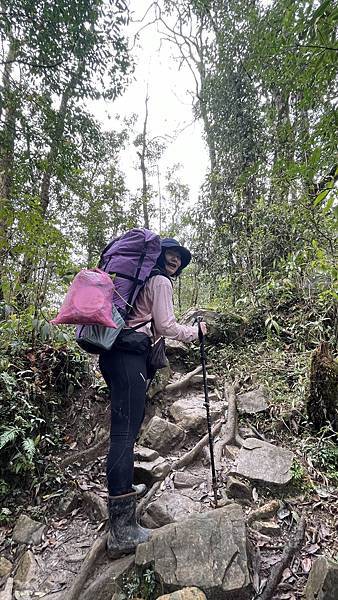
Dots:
pixel 172 260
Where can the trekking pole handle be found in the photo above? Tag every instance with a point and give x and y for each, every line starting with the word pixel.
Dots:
pixel 200 333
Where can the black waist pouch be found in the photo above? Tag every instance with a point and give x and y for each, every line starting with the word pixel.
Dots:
pixel 156 358
pixel 132 341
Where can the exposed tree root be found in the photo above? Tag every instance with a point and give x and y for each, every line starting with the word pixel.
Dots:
pixel 88 565
pixel 142 505
pixel 185 460
pixel 289 551
pixel 266 511
pixel 96 506
pixel 188 458
pixel 183 382
pixel 231 435
pixel 89 454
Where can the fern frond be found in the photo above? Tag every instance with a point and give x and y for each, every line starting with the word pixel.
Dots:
pixel 8 435
pixel 29 448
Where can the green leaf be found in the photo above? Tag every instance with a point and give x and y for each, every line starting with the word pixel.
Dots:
pixel 29 447
pixel 320 10
pixel 9 435
pixel 328 205
pixel 321 197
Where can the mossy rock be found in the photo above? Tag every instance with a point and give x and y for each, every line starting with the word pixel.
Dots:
pixel 222 327
pixel 322 402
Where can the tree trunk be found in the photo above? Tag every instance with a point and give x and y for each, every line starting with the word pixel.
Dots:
pixel 142 156
pixel 8 107
pixel 55 142
pixel 27 266
pixel 284 148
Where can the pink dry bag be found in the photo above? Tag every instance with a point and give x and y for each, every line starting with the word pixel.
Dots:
pixel 89 300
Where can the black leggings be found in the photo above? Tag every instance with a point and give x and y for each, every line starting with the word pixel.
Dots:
pixel 125 374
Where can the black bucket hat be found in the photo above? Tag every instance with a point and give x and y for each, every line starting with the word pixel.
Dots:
pixel 170 243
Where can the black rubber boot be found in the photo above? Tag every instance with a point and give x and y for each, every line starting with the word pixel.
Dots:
pixel 124 532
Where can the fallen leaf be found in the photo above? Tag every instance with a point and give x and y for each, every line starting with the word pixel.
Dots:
pixel 306 564
pixel 312 549
pixel 286 574
pixel 283 512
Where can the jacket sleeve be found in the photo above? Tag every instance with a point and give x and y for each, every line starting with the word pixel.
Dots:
pixel 163 313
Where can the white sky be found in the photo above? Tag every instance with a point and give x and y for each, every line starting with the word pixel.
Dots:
pixel 170 107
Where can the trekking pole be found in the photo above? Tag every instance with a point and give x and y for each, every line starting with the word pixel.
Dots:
pixel 207 406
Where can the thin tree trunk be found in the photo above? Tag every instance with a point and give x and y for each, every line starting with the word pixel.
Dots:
pixel 58 134
pixel 27 266
pixel 8 107
pixel 142 156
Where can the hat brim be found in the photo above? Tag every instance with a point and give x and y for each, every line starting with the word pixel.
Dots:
pixel 184 252
pixel 185 256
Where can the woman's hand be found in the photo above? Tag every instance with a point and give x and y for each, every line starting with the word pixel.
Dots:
pixel 203 326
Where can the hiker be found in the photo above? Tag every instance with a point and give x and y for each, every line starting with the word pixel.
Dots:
pixel 124 368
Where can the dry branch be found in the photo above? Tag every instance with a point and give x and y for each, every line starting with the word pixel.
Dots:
pixel 91 453
pixel 182 383
pixel 290 550
pixel 187 458
pixel 98 548
pixel 146 499
pixel 231 435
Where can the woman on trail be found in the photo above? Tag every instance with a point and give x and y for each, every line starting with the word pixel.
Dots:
pixel 124 368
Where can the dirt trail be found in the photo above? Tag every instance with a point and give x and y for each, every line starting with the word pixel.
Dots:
pixel 79 517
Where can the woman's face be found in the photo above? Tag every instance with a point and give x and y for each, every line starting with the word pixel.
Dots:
pixel 172 259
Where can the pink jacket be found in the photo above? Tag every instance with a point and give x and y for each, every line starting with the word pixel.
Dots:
pixel 155 301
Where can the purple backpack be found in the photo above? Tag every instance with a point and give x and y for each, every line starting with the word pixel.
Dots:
pixel 132 256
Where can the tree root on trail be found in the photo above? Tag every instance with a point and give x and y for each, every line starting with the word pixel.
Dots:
pixel 97 549
pixel 142 505
pixel 183 382
pixel 289 551
pixel 88 454
pixel 266 511
pixel 231 435
pixel 95 505
pixel 188 457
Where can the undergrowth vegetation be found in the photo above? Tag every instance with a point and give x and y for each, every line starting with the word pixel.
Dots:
pixel 275 351
pixel 38 379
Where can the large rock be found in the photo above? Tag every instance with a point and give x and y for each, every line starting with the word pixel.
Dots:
pixel 252 402
pixel 189 412
pixel 222 327
pixel 148 454
pixel 238 489
pixel 176 349
pixel 5 566
pixel 199 379
pixel 149 472
pixel 184 479
pixel 323 580
pixel 168 508
pixel 269 528
pixel 162 435
pixel 261 461
pixel 109 581
pixel 189 593
pixel 6 593
pixel 26 571
pixel 207 551
pixel 28 531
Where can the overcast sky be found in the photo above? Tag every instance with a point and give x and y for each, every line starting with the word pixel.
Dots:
pixel 170 105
